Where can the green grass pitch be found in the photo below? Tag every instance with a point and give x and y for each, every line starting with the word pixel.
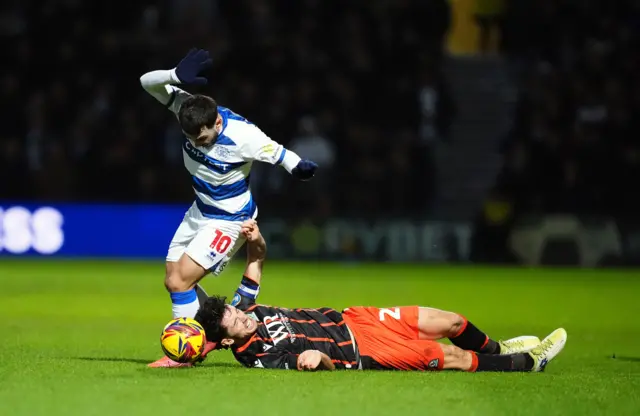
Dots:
pixel 76 338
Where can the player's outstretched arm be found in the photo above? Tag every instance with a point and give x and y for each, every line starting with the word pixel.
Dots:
pixel 256 250
pixel 160 83
pixel 249 288
pixel 313 360
pixel 258 146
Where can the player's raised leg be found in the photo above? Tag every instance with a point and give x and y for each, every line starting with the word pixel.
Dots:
pixel 200 246
pixel 181 271
pixel 437 324
pixel 180 281
pixel 210 250
pixel 184 302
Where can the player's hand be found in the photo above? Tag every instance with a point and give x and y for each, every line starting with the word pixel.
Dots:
pixel 196 61
pixel 305 170
pixel 309 360
pixel 250 230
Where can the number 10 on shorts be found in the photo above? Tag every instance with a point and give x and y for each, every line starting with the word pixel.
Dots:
pixel 220 243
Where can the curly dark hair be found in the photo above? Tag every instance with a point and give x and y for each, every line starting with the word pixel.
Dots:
pixel 210 317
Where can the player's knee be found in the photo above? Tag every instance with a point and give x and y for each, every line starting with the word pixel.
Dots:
pixel 458 353
pixel 183 275
pixel 455 323
pixel 175 282
pixel 455 358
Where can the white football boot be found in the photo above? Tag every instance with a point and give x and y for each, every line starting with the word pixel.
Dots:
pixel 518 345
pixel 548 349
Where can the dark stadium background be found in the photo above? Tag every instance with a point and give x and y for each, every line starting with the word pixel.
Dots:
pixel 411 112
pixel 467 148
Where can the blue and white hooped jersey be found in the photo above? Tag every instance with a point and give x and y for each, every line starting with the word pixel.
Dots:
pixel 220 173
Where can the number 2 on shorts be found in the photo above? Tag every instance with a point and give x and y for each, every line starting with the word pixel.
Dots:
pixel 394 313
pixel 221 242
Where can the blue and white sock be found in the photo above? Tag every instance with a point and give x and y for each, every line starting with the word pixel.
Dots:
pixel 185 304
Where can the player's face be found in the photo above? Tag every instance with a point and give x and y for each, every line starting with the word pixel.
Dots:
pixel 208 135
pixel 237 324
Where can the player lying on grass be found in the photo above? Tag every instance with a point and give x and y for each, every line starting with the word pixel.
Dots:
pixel 402 338
pixel 218 150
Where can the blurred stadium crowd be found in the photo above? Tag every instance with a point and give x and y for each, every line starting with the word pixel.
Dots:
pixel 337 81
pixel 334 81
pixel 574 144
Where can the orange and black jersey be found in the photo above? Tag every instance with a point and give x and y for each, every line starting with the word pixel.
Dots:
pixel 283 334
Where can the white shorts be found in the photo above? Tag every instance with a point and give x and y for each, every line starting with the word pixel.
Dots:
pixel 209 242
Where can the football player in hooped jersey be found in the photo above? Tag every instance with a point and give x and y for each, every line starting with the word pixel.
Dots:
pixel 218 150
pixel 400 338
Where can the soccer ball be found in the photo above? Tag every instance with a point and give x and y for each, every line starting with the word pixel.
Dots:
pixel 183 340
